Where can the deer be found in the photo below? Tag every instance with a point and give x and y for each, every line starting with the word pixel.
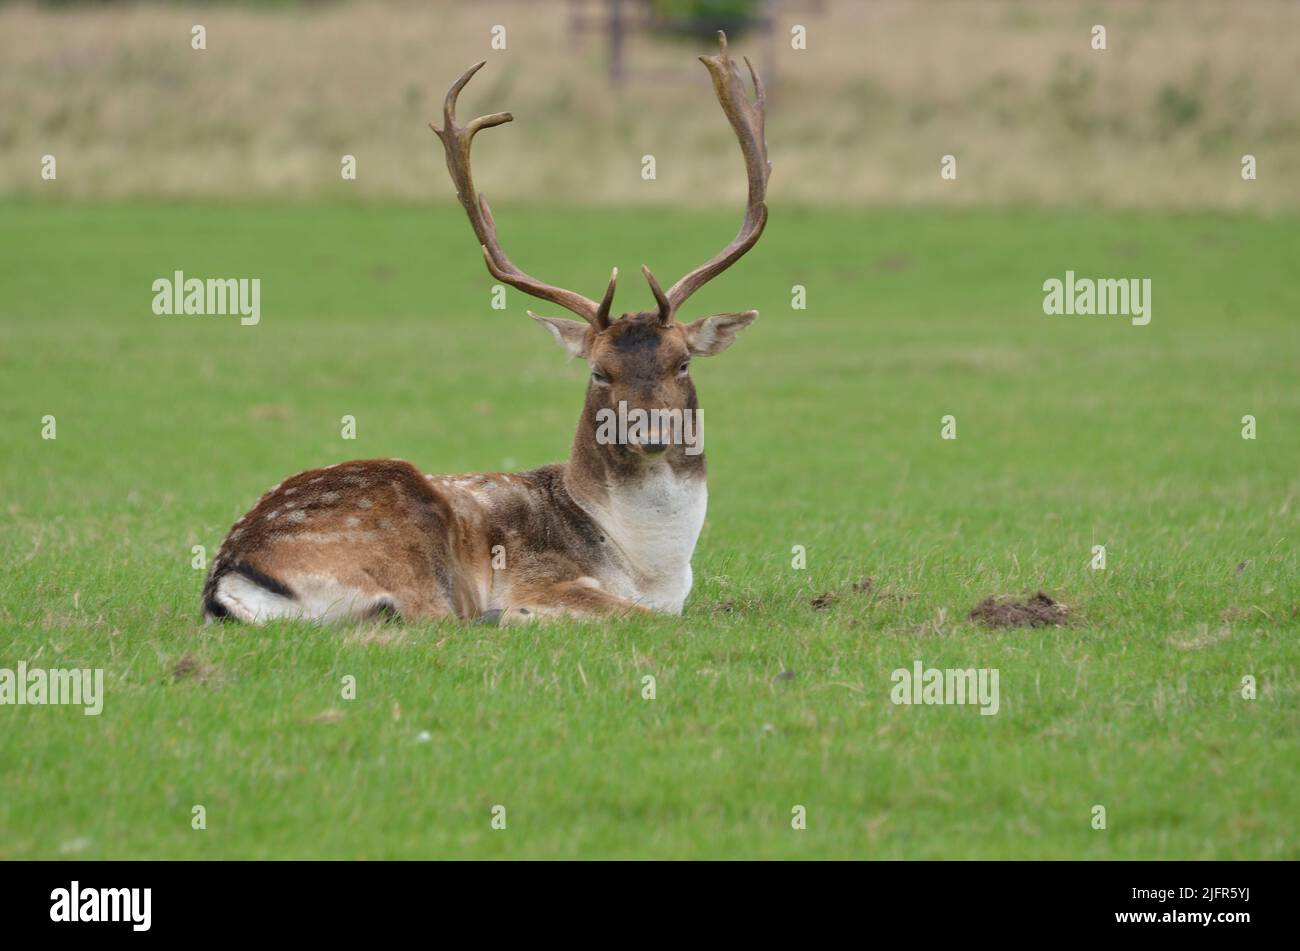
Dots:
pixel 609 533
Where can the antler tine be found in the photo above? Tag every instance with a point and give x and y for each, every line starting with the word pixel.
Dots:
pixel 747 121
pixel 665 307
pixel 456 142
pixel 602 311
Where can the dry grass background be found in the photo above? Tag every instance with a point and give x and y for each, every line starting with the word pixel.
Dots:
pixel 886 87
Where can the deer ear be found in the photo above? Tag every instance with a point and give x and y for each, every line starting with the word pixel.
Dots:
pixel 711 335
pixel 569 334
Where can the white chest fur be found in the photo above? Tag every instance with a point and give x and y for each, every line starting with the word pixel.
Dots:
pixel 654 524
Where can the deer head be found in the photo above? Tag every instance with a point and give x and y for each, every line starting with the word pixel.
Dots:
pixel 640 360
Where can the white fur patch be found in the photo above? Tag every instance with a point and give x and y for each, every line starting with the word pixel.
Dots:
pixel 319 598
pixel 655 525
pixel 250 602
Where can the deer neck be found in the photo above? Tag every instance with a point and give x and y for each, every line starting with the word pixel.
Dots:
pixel 651 507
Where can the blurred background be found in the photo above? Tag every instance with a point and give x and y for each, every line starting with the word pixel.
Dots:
pixel 862 116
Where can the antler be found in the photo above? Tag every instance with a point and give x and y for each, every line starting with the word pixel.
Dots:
pixel 456 140
pixel 747 120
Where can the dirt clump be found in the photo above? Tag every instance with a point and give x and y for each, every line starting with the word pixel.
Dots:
pixel 863 586
pixel 190 667
pixel 1001 611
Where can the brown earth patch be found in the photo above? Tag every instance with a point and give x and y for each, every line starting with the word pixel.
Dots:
pixel 190 667
pixel 1002 611
pixel 864 585
pixel 824 600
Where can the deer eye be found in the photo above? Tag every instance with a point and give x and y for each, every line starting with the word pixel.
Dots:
pixel 686 365
pixel 599 377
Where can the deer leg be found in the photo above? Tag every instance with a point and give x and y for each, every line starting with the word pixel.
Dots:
pixel 581 600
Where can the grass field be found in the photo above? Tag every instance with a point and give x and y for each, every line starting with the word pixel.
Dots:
pixel 823 431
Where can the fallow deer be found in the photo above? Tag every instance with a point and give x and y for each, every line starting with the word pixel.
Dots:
pixel 607 533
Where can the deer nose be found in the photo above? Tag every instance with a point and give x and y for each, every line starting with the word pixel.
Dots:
pixel 654 448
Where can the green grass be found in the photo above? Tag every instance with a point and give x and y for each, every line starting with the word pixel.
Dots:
pixel 823 430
